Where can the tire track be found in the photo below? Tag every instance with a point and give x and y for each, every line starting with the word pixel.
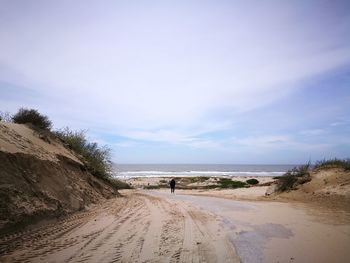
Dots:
pixel 137 228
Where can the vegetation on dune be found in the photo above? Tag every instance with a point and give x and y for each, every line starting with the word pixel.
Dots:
pixel 333 163
pixel 301 174
pixel 229 183
pixel 33 117
pixel 200 179
pixel 96 158
pixel 187 183
pixel 291 179
pixel 212 186
pixel 203 178
pixel 252 181
pixel 286 182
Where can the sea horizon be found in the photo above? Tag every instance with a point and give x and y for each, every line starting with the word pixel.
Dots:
pixel 183 170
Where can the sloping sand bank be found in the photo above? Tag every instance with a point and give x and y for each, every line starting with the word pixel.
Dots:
pixel 40 178
pixel 153 226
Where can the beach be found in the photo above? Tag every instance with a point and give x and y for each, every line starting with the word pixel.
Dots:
pixel 59 212
pixel 175 131
pixel 156 226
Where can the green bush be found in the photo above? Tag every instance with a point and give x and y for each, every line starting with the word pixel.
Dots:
pixel 24 116
pixel 333 163
pixel 286 182
pixel 252 181
pixel 96 158
pixel 298 175
pixel 228 183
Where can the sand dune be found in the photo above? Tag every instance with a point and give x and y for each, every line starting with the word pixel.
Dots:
pixel 19 138
pixel 41 178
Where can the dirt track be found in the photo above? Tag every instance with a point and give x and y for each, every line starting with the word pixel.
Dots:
pixel 155 226
pixel 136 228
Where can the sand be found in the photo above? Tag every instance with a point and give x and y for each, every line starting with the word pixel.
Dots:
pixel 144 182
pixel 198 188
pixel 155 226
pixel 329 188
pixel 19 138
pixel 41 178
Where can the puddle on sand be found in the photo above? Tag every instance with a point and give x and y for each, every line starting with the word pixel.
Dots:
pixel 250 244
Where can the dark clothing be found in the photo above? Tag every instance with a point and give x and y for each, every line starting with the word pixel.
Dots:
pixel 172 185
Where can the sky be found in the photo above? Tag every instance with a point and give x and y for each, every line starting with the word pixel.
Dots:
pixel 237 82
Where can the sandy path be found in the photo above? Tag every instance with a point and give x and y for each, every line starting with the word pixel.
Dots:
pixel 159 227
pixel 137 228
pixel 277 232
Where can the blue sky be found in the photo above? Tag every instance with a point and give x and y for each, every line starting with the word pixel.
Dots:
pixel 185 81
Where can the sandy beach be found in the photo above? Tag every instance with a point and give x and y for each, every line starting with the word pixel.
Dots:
pixel 155 226
pixel 81 218
pixel 189 182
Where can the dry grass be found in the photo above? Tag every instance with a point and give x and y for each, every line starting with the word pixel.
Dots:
pixel 333 163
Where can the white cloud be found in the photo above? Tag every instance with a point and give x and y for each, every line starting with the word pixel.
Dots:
pixel 172 137
pixel 168 72
pixel 152 68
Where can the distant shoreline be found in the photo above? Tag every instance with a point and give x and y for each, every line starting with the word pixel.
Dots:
pixel 195 170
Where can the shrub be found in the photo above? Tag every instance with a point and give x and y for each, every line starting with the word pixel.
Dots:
pixel 292 178
pixel 252 181
pixel 286 182
pixel 24 116
pixel 96 158
pixel 301 170
pixel 228 183
pixel 333 163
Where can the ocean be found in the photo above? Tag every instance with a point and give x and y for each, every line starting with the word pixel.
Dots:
pixel 125 171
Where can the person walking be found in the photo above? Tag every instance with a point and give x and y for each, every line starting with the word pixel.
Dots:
pixel 172 185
